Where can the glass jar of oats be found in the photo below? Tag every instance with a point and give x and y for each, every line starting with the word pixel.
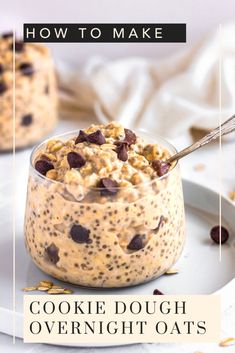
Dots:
pixel 103 208
pixel 28 94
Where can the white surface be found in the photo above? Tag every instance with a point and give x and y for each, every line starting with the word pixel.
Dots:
pixel 209 177
pixel 200 16
pixel 200 257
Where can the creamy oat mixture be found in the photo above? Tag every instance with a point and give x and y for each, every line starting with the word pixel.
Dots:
pixel 35 92
pixel 101 152
pixel 103 208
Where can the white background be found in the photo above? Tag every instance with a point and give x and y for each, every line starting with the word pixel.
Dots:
pixel 200 16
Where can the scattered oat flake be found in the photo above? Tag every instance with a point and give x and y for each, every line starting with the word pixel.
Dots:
pixel 172 271
pixel 43 289
pixel 45 283
pixel 56 291
pixel 227 342
pixel 29 289
pixel 199 167
pixel 49 287
pixel 231 195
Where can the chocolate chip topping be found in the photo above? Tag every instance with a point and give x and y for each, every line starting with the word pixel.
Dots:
pixel 157 292
pixel 122 152
pixel 1 69
pixel 130 137
pixel 27 120
pixel 42 166
pixel 80 234
pixel 109 187
pixel 82 137
pixel 215 234
pixel 52 253
pixel 136 243
pixel 7 35
pixel 26 69
pixel 96 137
pixel 160 167
pixel 3 87
pixel 75 160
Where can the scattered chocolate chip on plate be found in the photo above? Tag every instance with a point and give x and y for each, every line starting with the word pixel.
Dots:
pixel 157 292
pixel 218 232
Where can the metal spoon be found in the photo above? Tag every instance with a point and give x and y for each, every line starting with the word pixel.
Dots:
pixel 224 129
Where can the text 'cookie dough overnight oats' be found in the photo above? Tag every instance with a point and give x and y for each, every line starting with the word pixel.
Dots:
pixel 34 85
pixel 103 209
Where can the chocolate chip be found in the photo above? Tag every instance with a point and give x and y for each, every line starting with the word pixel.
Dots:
pixel 109 187
pixel 160 223
pixel 27 120
pixel 80 234
pixel 46 90
pixel 3 87
pixel 215 234
pixel 82 137
pixel 26 69
pixel 45 157
pixel 96 137
pixel 157 292
pixel 75 160
pixel 130 137
pixel 1 69
pixel 136 243
pixel 7 34
pixel 122 152
pixel 42 166
pixel 19 46
pixel 160 167
pixel 52 253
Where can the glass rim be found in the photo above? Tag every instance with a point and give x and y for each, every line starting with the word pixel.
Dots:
pixel 156 137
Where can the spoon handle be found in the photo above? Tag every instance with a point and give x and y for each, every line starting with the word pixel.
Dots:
pixel 225 128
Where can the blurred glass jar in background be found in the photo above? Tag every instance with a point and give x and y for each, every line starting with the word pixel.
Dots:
pixel 35 93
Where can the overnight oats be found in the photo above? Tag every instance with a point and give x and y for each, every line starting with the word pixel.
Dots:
pixel 103 208
pixel 34 87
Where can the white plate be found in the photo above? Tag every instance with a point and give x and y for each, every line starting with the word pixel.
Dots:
pixel 199 260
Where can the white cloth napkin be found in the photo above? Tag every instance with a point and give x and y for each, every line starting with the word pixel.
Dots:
pixel 166 96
